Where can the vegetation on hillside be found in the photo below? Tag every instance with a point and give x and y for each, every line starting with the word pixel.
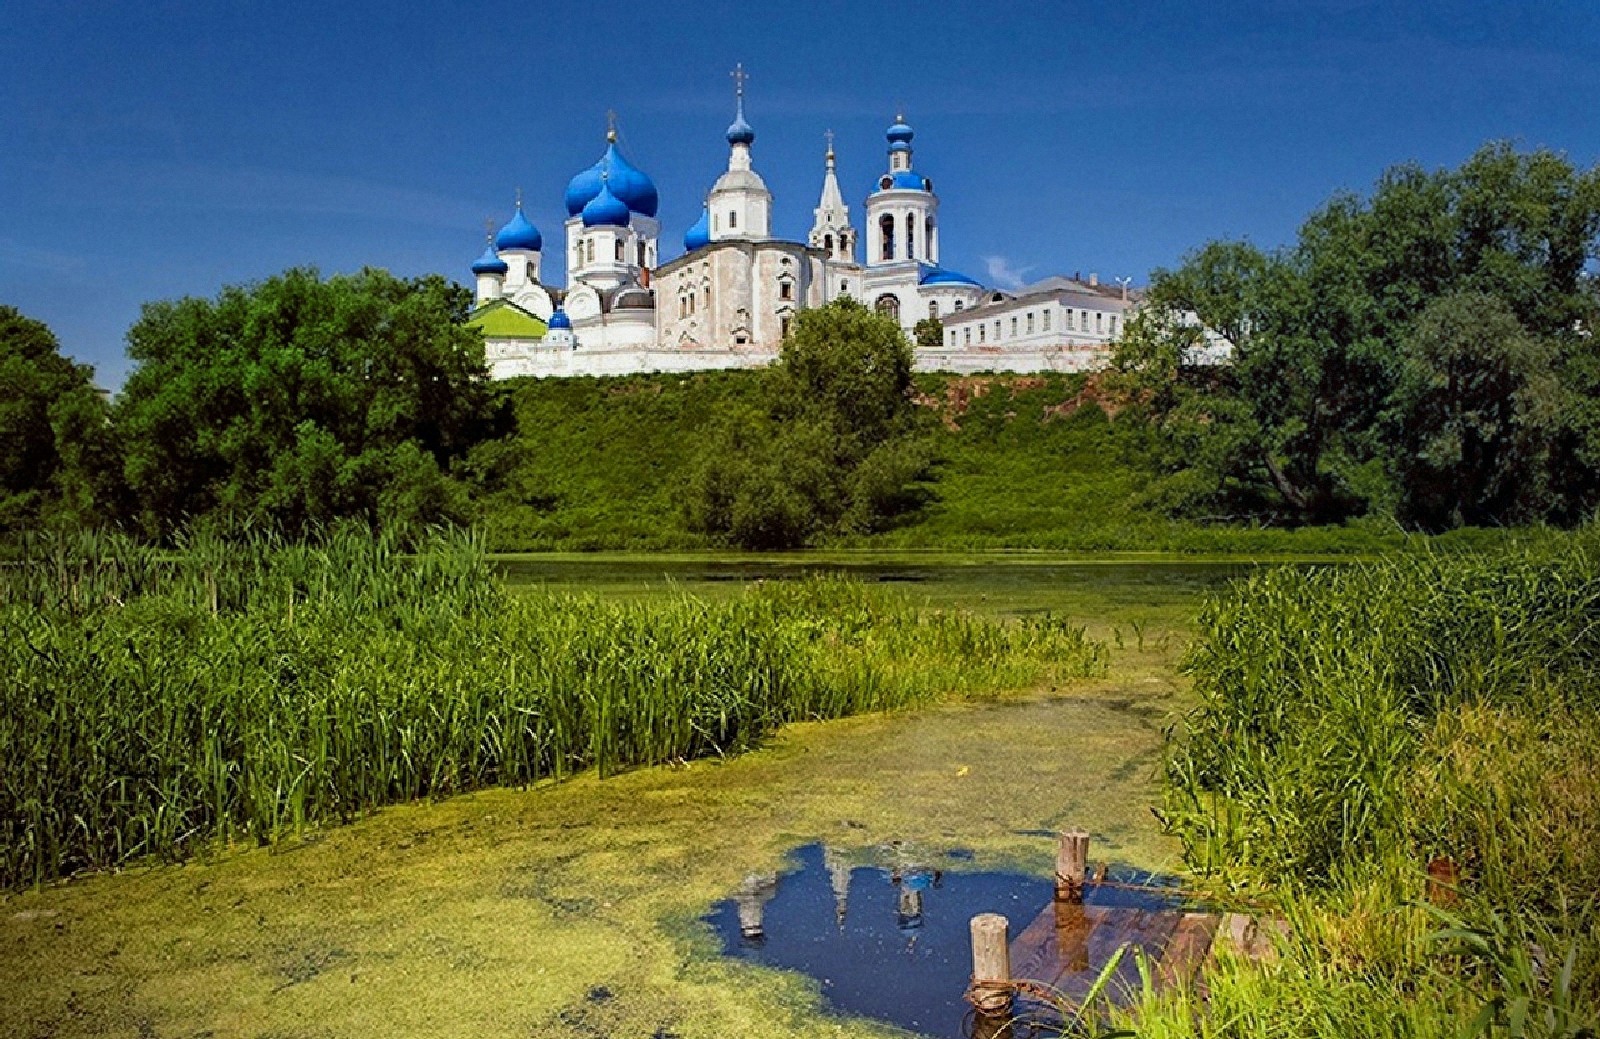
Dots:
pixel 1428 353
pixel 152 702
pixel 1358 723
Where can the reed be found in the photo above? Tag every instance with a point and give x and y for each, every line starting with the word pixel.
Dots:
pixel 1355 724
pixel 237 690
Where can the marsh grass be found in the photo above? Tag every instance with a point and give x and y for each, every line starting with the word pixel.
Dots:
pixel 238 690
pixel 1354 724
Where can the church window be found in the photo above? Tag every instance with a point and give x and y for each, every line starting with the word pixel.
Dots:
pixel 1070 323
pixel 591 250
pixel 786 290
pixel 622 251
pixel 950 339
pixel 889 304
pixel 1113 326
pixel 927 237
pixel 983 333
pixel 1046 320
pixel 641 253
pixel 966 337
pixel 886 229
pixel 1013 326
pixel 997 330
pixel 959 305
pixel 827 243
pixel 911 236
pixel 1030 322
pixel 740 340
pixel 1097 319
pixel 733 219
pixel 844 287
pixel 783 326
pixel 933 308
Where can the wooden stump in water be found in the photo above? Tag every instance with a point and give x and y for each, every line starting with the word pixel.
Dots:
pixel 990 990
pixel 1072 865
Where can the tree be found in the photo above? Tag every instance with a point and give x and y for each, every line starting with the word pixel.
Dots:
pixel 929 333
pixel 56 452
pixel 833 446
pixel 301 400
pixel 1299 425
pixel 1475 400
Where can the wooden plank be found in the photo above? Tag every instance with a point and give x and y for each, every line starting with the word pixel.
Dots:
pixel 1187 949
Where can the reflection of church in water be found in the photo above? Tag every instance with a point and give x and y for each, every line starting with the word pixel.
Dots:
pixel 728 299
pixel 910 878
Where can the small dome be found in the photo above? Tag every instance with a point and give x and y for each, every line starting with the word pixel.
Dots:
pixel 900 133
pixel 559 320
pixel 631 185
pixel 739 131
pixel 634 297
pixel 519 234
pixel 700 234
pixel 605 209
pixel 941 276
pixel 489 263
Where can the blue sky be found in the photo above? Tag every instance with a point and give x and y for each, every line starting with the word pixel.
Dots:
pixel 151 150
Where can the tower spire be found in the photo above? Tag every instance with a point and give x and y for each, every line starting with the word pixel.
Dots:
pixel 831 231
pixel 739 131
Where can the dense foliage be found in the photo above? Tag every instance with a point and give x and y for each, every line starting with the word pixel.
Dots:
pixel 150 702
pixel 1427 352
pixel 1358 723
pixel 57 454
pixel 829 447
pixel 301 400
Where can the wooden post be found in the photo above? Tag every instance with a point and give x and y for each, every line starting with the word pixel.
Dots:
pixel 990 990
pixel 1072 865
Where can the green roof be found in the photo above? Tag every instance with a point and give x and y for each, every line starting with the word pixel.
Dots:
pixel 503 319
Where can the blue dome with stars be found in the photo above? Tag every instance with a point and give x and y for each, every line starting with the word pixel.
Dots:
pixel 489 263
pixel 605 209
pixel 519 233
pixel 560 320
pixel 700 234
pixel 628 183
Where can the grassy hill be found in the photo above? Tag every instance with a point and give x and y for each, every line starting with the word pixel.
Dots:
pixel 1024 462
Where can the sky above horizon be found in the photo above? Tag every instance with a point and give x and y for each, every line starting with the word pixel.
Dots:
pixel 164 149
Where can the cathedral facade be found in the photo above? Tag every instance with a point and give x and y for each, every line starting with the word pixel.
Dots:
pixel 728 298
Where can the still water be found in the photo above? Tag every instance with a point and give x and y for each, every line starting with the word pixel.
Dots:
pixel 885 931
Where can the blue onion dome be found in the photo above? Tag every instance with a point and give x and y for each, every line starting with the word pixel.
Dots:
pixel 559 320
pixel 605 209
pixel 942 276
pixel 739 131
pixel 628 182
pixel 519 233
pixel 900 133
pixel 700 234
pixel 489 263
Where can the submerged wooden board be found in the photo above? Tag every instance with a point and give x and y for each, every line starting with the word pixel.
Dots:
pixel 1068 946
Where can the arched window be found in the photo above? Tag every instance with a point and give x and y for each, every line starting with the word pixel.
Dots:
pixel 959 305
pixel 1046 320
pixel 983 333
pixel 785 289
pixel 622 251
pixel 886 229
pixel 1030 322
pixel 911 236
pixel 591 250
pixel 966 337
pixel 783 327
pixel 844 288
pixel 1098 317
pixel 933 308
pixel 1113 326
pixel 827 243
pixel 1013 326
pixel 950 339
pixel 641 252
pixel 733 219
pixel 889 304
pixel 927 237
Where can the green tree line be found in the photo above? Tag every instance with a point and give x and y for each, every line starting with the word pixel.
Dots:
pixel 1426 352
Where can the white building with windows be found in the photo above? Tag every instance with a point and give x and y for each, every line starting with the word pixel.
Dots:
pixel 728 299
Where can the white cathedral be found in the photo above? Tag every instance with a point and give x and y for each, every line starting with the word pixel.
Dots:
pixel 727 300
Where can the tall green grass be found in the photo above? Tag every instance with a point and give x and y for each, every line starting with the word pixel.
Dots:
pixel 1355 724
pixel 150 702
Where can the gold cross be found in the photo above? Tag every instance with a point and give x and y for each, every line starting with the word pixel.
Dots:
pixel 829 135
pixel 611 125
pixel 488 229
pixel 739 76
pixel 519 198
